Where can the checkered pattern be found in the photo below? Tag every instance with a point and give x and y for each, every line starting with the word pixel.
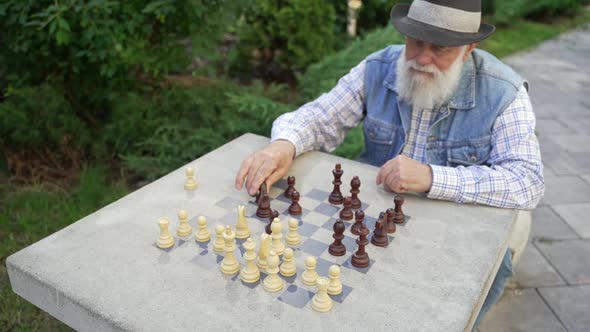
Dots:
pixel 315 229
pixel 514 180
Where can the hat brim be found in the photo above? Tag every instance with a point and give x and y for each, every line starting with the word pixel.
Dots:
pixel 432 34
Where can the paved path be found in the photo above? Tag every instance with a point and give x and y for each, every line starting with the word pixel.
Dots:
pixel 553 292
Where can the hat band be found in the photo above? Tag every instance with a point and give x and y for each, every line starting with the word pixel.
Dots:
pixel 445 17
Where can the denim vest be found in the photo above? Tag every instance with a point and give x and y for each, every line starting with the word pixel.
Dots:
pixel 461 133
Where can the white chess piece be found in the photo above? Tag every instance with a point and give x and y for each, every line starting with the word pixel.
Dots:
pixel 219 244
pixel 191 183
pixel 250 273
pixel 321 302
pixel 293 237
pixel 203 234
pixel 310 276
pixel 166 240
pixel 288 266
pixel 277 237
pixel 335 285
pixel 272 282
pixel 229 264
pixel 264 251
pixel 242 229
pixel 184 228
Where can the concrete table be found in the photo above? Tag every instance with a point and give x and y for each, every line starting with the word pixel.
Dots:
pixel 105 273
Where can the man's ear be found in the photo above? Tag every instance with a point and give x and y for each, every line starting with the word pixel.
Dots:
pixel 468 51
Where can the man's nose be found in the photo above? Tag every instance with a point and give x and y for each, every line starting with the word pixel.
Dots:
pixel 424 57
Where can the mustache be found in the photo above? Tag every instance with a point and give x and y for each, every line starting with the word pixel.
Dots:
pixel 432 69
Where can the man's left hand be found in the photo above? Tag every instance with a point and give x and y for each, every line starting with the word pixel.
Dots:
pixel 403 174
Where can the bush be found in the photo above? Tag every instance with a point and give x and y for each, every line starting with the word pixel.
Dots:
pixel 505 11
pixel 277 38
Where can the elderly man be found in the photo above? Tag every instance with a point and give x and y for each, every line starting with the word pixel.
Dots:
pixel 440 117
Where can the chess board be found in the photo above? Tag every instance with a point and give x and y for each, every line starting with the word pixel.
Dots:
pixel 314 227
pixel 104 272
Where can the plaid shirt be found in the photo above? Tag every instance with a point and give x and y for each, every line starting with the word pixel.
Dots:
pixel 514 179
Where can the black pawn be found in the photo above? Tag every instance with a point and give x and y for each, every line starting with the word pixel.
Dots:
pixel 337 248
pixel 399 214
pixel 290 187
pixel 390 213
pixel 346 212
pixel 355 185
pixel 336 196
pixel 295 208
pixel 380 238
pixel 273 215
pixel 360 258
pixel 359 217
pixel 263 210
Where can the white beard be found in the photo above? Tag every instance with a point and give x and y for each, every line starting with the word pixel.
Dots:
pixel 426 91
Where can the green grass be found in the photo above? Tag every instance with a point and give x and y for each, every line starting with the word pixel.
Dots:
pixel 28 214
pixel 31 213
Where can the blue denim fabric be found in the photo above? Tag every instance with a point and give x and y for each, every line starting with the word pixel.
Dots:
pixel 497 288
pixel 462 131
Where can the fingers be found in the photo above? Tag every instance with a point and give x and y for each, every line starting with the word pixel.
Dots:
pixel 274 177
pixel 261 175
pixel 241 176
pixel 252 172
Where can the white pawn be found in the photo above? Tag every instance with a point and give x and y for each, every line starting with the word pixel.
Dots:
pixel 165 240
pixel 288 266
pixel 242 229
pixel 335 285
pixel 310 276
pixel 293 237
pixel 191 183
pixel 272 282
pixel 321 302
pixel 250 273
pixel 264 251
pixel 203 234
pixel 277 236
pixel 229 264
pixel 184 229
pixel 219 244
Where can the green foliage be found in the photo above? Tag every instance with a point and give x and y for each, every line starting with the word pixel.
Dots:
pixel 90 48
pixel 505 11
pixel 278 37
pixel 154 136
pixel 41 116
pixel 28 214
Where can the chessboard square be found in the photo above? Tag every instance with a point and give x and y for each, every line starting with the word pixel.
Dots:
pixel 364 206
pixel 229 203
pixel 318 195
pixel 340 297
pixel 338 260
pixel 327 209
pixel 323 235
pixel 349 243
pixel 315 218
pixel 313 247
pixel 282 198
pixel 206 261
pixel 282 184
pixel 308 203
pixel 307 229
pixel 348 264
pixel 295 296
pixel 370 222
pixel 323 266
pixel 329 225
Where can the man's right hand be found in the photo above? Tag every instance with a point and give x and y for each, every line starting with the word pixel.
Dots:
pixel 269 164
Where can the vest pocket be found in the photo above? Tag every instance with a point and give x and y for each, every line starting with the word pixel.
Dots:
pixel 470 152
pixel 379 136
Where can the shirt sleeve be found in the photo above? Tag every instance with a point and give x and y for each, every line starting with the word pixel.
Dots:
pixel 323 123
pixel 514 178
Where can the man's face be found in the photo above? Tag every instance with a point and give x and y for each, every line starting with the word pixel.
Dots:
pixel 428 55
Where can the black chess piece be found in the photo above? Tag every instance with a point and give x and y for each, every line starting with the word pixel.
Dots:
pixel 359 217
pixel 273 215
pixel 263 210
pixel 355 185
pixel 336 196
pixel 360 258
pixel 398 201
pixel 346 212
pixel 390 214
pixel 295 208
pixel 380 238
pixel 337 248
pixel 290 186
